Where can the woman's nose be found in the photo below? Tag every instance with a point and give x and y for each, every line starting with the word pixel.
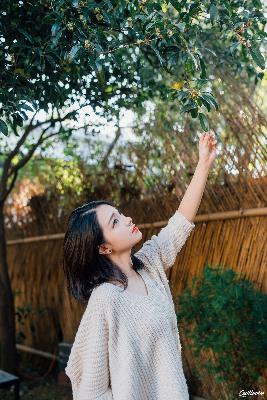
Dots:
pixel 130 220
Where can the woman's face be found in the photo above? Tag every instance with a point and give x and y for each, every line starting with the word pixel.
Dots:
pixel 117 229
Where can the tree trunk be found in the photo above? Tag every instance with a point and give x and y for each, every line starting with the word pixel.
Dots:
pixel 8 353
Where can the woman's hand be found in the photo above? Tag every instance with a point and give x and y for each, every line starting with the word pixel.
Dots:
pixel 207 149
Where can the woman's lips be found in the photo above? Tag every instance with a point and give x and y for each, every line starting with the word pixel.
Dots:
pixel 135 229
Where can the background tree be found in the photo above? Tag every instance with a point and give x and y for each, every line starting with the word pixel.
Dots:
pixel 36 134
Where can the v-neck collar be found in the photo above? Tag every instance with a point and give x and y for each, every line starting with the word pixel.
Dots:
pixel 140 273
pixel 136 295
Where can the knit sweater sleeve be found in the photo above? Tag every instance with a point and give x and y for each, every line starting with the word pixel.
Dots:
pixel 88 364
pixel 164 247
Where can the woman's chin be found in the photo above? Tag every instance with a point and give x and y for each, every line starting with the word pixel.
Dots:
pixel 138 236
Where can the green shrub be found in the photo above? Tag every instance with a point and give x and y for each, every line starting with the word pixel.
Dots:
pixel 226 314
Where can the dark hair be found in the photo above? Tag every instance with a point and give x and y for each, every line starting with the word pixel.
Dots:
pixel 83 266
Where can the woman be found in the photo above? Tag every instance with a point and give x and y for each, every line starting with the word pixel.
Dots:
pixel 127 345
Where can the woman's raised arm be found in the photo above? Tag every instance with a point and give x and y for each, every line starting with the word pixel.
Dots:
pixel 164 247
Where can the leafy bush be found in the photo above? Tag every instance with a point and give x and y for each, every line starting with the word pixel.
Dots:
pixel 225 313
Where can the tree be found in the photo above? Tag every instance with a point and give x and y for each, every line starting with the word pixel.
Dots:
pixel 52 51
pixel 12 162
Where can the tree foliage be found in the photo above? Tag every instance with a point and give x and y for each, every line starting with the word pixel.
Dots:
pixel 117 53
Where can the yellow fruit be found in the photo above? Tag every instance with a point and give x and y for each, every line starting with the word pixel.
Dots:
pixel 178 85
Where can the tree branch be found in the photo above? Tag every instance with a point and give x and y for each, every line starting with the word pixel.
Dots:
pixel 111 146
pixel 6 192
pixel 28 130
pixel 7 169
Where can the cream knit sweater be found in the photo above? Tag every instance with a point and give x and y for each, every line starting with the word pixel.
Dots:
pixel 127 346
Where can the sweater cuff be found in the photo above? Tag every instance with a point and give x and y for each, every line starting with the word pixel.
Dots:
pixel 178 219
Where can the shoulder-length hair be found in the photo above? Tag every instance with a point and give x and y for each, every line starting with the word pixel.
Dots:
pixel 83 266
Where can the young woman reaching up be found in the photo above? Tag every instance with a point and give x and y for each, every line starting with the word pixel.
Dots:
pixel 127 345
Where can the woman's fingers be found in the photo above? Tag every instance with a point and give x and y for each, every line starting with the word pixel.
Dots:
pixel 209 138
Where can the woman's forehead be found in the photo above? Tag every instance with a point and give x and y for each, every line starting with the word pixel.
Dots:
pixel 104 212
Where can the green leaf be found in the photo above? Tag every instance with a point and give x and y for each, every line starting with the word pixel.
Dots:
pixel 161 60
pixel 23 115
pixel 189 107
pixel 51 61
pixel 109 89
pixel 99 64
pixel 210 99
pixel 164 7
pixel 257 57
pixel 189 64
pixel 178 6
pixel 194 113
pixel 195 61
pixel 182 94
pixel 26 35
pixel 211 51
pixel 194 9
pixel 26 107
pixel 203 74
pixel 17 120
pixel 56 38
pixel 73 52
pixel 55 28
pixel 20 71
pixel 3 127
pixel 173 58
pixel 260 75
pixel 203 121
pixel 233 47
pixel 213 11
pixel 206 104
pixel 257 3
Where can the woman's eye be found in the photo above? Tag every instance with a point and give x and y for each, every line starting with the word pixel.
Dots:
pixel 114 221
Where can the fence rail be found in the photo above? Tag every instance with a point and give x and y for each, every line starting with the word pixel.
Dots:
pixel 249 212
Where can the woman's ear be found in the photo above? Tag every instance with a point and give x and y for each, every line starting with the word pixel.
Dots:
pixel 104 249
